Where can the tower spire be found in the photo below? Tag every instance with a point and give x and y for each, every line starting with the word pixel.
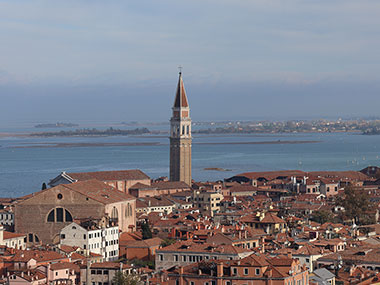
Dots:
pixel 180 97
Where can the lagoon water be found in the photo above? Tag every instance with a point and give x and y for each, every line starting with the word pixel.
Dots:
pixel 26 162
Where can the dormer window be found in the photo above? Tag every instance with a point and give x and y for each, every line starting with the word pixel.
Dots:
pixel 257 271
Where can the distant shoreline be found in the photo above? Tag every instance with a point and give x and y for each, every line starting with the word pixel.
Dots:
pixel 13 135
pixel 159 134
pixel 68 145
pixel 264 142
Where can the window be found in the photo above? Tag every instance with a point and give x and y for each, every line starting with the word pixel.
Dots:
pixel 51 216
pixel 59 215
pixel 68 216
pixel 257 271
pixel 234 271
pixel 160 257
pixel 175 257
pixel 63 236
pixel 114 214
pixel 59 196
pixel 245 271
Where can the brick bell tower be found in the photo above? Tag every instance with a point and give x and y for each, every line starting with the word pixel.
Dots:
pixel 180 137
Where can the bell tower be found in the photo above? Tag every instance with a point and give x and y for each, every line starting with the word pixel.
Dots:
pixel 180 136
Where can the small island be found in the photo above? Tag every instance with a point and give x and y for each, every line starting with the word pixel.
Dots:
pixel 56 125
pixel 93 132
pixel 217 169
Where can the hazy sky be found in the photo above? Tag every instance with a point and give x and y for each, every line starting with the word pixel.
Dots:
pixel 117 60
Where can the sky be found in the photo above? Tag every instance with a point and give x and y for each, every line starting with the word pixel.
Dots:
pixel 114 61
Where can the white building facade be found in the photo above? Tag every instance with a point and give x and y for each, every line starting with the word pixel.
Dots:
pixel 103 241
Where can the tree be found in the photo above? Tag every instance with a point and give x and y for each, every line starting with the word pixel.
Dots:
pixel 322 216
pixel 121 278
pixel 146 232
pixel 167 241
pixel 137 263
pixel 357 205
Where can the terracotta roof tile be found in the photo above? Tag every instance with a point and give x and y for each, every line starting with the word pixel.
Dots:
pixel 134 174
pixel 38 255
pixel 98 191
pixel 9 235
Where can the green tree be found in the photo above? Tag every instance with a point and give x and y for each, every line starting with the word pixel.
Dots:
pixel 357 205
pixel 146 232
pixel 121 278
pixel 167 241
pixel 142 263
pixel 322 216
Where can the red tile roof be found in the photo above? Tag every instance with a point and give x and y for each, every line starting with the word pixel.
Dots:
pixel 38 255
pixel 9 235
pixel 64 265
pixel 189 246
pixel 98 191
pixel 134 174
pixel 270 175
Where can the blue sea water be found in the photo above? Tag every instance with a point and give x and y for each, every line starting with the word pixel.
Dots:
pixel 23 170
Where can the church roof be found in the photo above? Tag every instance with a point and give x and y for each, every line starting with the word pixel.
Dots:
pixel 98 191
pixel 180 97
pixel 134 174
